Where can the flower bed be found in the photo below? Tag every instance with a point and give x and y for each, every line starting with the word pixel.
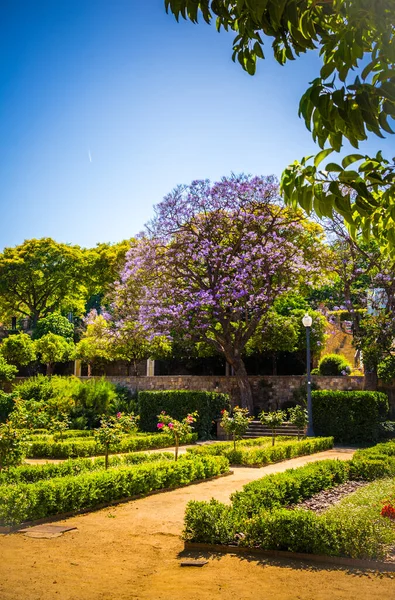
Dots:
pixel 260 517
pixel 251 456
pixel 30 501
pixel 89 447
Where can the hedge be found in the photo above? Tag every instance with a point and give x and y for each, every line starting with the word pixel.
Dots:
pixel 250 456
pixel 351 417
pixel 88 447
pixel 178 404
pixel 260 514
pixel 33 473
pixel 25 502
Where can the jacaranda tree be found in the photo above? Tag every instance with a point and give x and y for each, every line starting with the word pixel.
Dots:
pixel 213 261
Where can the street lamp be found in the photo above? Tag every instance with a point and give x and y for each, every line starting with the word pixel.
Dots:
pixel 307 321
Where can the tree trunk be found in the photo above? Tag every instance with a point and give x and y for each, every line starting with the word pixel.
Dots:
pixel 106 457
pixel 50 368
pixel 370 381
pixel 176 449
pixel 244 385
pixel 89 369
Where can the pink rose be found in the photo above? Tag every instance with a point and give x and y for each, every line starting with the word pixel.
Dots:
pixel 119 415
pixel 171 425
pixel 160 426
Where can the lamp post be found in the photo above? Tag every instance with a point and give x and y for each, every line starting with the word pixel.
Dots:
pixel 307 321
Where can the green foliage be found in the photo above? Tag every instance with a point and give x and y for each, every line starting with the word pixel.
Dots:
pixel 24 502
pixel 11 446
pixel 54 323
pixel 298 416
pixel 273 420
pixel 7 405
pixel 18 349
pixel 386 369
pixel 253 456
pixel 108 435
pixel 351 417
pixel 259 515
pixel 235 424
pixel 180 403
pixel 352 95
pixel 39 276
pixel 179 430
pixel 334 364
pixel 7 371
pixel 93 398
pixel 53 349
pixel 71 448
pixel 59 426
pixel 33 473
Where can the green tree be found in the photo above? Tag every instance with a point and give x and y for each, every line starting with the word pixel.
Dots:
pixel 273 420
pixel 7 371
pixel 352 96
pixel 41 276
pixel 108 435
pixel 235 423
pixel 54 323
pixel 298 417
pixel 53 349
pixel 11 446
pixel 178 429
pixel 19 349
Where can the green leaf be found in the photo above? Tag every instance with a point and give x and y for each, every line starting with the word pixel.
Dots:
pixel 321 155
pixel 351 158
pixel 333 168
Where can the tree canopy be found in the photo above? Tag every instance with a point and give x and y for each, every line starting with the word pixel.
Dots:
pixel 352 96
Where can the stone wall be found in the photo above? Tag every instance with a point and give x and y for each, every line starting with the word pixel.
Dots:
pixel 269 392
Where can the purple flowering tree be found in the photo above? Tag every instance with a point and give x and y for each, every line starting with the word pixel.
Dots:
pixel 214 259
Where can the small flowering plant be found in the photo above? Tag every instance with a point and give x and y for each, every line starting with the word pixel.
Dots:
pixel 235 424
pixel 178 429
pixel 128 422
pixel 108 434
pixel 388 509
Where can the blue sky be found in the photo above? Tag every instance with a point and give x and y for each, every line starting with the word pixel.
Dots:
pixel 105 106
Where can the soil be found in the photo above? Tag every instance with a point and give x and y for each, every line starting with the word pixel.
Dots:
pixel 134 551
pixel 326 498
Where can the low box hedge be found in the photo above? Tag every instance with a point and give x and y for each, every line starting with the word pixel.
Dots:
pixel 26 502
pixel 350 417
pixel 258 457
pixel 260 515
pixel 88 447
pixel 180 403
pixel 76 466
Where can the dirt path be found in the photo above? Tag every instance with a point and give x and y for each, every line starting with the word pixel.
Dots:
pixel 133 551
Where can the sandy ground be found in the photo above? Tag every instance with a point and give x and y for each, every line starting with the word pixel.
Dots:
pixel 134 551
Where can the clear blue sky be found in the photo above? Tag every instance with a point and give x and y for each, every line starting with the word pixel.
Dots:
pixel 106 105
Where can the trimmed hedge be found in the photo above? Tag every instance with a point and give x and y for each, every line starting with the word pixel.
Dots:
pixel 250 456
pixel 33 473
pixel 26 502
pixel 180 403
pixel 351 417
pixel 88 447
pixel 260 516
pixel 290 487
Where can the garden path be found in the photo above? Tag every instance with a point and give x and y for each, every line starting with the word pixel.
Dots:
pixel 132 551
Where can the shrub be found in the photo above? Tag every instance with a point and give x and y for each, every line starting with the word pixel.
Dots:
pixel 178 430
pixel 334 364
pixel 290 487
pixel 56 324
pixel 235 424
pixel 18 349
pixel 252 456
pixel 273 420
pixel 180 403
pixel 92 399
pixel 7 405
pixel 298 416
pixel 387 430
pixel 11 446
pixel 88 447
pixel 351 417
pixel 7 371
pixel 25 502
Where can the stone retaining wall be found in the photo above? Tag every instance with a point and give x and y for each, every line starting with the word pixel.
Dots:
pixel 268 392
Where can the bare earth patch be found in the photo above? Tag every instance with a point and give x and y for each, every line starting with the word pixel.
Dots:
pixel 134 550
pixel 326 498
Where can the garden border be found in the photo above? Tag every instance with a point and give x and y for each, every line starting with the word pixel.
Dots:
pixel 7 529
pixel 299 556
